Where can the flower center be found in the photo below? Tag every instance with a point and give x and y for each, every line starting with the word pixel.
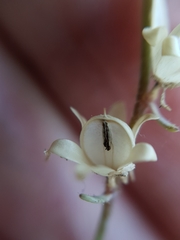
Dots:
pixel 106 142
pixel 106 135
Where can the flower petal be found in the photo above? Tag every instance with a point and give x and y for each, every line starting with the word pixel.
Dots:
pixel 141 120
pixel 107 141
pixel 68 150
pixel 156 50
pixel 168 71
pixel 154 35
pixel 118 110
pixel 176 31
pixel 142 152
pixel 79 116
pixel 102 170
pixel 170 46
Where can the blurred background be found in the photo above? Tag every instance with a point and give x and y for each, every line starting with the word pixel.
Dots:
pixel 85 54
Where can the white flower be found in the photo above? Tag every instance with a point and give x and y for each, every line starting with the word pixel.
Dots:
pixel 165 54
pixel 107 145
pixel 165 49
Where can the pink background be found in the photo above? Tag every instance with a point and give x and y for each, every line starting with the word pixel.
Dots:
pixel 86 54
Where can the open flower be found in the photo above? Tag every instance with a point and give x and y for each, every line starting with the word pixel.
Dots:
pixel 165 48
pixel 107 145
pixel 165 54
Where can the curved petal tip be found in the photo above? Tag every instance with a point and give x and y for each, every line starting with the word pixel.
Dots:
pixel 47 154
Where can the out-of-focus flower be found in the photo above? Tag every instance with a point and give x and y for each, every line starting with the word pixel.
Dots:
pixel 165 49
pixel 165 54
pixel 107 145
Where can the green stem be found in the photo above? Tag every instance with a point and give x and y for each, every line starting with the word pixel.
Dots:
pixel 142 98
pixel 103 221
pixel 140 105
pixel 110 188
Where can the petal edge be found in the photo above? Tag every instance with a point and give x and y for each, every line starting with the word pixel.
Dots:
pixel 67 149
pixel 142 152
pixel 79 116
pixel 141 120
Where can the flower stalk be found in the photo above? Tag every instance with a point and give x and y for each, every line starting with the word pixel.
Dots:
pixel 105 214
pixel 141 102
pixel 142 96
pixel 107 144
pixel 103 221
